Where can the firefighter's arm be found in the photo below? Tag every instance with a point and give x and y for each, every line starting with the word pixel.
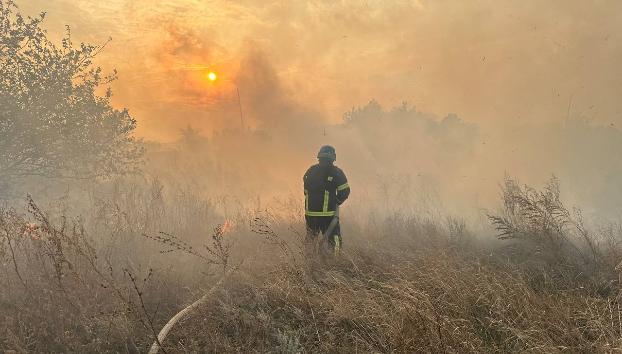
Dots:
pixel 305 180
pixel 343 188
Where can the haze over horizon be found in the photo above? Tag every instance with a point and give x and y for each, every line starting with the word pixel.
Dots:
pixel 497 64
pixel 538 81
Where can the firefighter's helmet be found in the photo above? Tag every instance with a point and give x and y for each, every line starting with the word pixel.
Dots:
pixel 327 152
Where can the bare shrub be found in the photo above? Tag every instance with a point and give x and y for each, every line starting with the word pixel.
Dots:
pixel 61 293
pixel 550 239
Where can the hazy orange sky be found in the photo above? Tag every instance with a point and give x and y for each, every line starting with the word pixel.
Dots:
pixel 497 63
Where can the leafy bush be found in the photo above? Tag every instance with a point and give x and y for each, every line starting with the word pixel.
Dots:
pixel 53 123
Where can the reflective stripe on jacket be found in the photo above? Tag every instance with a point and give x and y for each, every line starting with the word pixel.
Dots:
pixel 326 186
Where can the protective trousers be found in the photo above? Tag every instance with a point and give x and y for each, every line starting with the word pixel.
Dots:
pixel 319 224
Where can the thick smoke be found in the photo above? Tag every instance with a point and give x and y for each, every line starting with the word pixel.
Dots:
pixel 533 86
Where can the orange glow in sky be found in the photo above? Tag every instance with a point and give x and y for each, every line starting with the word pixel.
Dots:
pixel 515 67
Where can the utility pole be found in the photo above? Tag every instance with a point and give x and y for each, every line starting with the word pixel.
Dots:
pixel 240 105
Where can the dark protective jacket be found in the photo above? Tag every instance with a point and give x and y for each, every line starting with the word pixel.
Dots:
pixel 326 186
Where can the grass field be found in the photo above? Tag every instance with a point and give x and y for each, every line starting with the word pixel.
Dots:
pixel 109 280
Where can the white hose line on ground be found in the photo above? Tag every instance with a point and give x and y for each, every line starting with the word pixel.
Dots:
pixel 155 347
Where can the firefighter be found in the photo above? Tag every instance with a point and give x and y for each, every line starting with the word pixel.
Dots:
pixel 326 187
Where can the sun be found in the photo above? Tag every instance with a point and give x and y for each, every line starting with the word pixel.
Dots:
pixel 211 76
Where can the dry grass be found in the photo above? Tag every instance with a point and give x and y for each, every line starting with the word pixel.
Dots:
pixel 97 284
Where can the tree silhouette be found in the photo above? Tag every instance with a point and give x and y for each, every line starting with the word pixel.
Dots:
pixel 53 123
